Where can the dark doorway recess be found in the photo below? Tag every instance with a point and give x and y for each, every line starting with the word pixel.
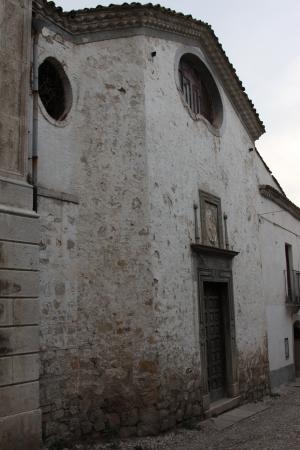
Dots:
pixel 297 348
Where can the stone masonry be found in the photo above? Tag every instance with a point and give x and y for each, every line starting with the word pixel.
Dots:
pixel 104 266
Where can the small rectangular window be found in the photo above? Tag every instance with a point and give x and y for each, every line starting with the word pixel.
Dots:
pixel 286 348
pixel 289 270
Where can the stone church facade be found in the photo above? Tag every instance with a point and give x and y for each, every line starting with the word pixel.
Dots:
pixel 149 268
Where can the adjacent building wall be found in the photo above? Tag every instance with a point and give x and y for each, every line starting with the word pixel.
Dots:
pixel 119 297
pixel 278 228
pixel 120 346
pixel 20 418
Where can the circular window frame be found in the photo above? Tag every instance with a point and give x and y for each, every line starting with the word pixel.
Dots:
pixel 68 92
pixel 218 128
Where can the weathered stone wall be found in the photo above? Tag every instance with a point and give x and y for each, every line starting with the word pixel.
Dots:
pixel 183 157
pixel 20 418
pixel 118 179
pixel 59 318
pixel 120 332
pixel 98 155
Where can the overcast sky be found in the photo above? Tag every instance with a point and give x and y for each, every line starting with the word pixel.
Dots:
pixel 262 40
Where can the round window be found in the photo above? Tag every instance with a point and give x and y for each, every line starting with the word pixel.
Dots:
pixel 199 90
pixel 55 89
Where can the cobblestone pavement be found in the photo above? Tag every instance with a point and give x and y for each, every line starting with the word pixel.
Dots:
pixel 274 425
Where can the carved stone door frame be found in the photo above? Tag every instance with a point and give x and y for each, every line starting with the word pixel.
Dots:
pixel 214 266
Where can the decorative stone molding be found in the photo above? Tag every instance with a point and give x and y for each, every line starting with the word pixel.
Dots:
pixel 280 199
pixel 82 25
pixel 213 251
pixel 216 268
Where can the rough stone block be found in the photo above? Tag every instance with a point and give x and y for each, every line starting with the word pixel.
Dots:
pixel 21 431
pixel 168 422
pixel 149 416
pixel 20 340
pixel 25 368
pixel 59 414
pixel 6 371
pixel 179 415
pixel 14 255
pixel 26 311
pixel 19 228
pixel 19 398
pixel 15 283
pixel 6 312
pixel 113 421
pixel 130 418
pixel 163 413
pixel 99 425
pixel 86 427
pixel 197 410
pixel 147 430
pixel 188 411
pixel 16 194
pixel 127 432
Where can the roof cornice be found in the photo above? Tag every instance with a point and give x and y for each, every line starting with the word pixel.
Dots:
pixel 136 16
pixel 280 199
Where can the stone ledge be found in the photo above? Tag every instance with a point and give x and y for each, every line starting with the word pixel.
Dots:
pixel 55 195
pixel 221 406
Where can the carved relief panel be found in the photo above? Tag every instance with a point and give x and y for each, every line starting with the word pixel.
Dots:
pixel 211 220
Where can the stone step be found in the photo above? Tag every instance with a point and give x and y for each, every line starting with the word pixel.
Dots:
pixel 220 406
pixel 234 416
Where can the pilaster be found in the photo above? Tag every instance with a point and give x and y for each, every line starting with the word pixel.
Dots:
pixel 20 418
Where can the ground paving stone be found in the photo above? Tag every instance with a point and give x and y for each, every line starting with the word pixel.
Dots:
pixel 273 424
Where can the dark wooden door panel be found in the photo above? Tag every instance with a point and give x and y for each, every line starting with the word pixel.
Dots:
pixel 215 341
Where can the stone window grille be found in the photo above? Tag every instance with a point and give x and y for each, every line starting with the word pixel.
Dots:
pixel 199 91
pixel 194 90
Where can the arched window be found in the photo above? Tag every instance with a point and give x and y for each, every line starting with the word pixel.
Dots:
pixel 199 89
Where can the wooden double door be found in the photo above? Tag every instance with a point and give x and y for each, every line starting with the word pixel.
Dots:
pixel 215 339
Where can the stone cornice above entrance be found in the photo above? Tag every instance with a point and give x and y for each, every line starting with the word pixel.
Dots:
pixel 213 251
pixel 131 19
